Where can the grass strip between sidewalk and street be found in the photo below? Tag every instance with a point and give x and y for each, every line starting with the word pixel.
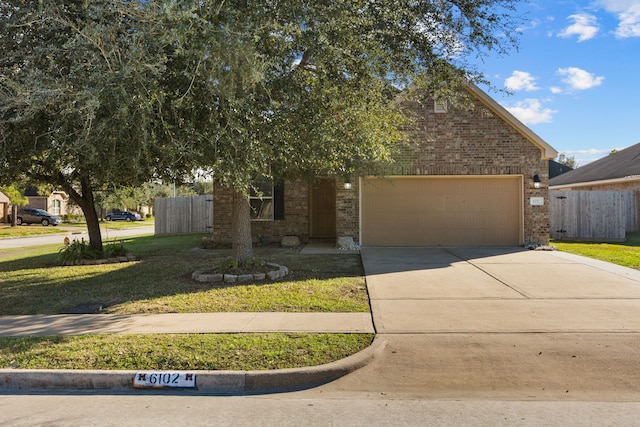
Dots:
pixel 179 351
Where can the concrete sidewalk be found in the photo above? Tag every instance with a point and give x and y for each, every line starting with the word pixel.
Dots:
pixel 187 323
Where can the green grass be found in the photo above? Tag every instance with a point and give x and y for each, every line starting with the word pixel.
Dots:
pixel 6 231
pixel 123 225
pixel 32 282
pixel 181 351
pixel 625 253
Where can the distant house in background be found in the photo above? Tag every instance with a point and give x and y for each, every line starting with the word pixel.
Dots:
pixel 56 203
pixel 619 171
pixel 557 169
pixel 4 207
pixel 598 201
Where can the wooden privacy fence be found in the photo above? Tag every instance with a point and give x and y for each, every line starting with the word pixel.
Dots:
pixel 592 215
pixel 184 215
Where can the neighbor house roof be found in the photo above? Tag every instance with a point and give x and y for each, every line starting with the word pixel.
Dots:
pixel 556 169
pixel 621 166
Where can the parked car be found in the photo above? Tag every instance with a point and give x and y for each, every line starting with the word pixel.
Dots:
pixel 36 216
pixel 123 216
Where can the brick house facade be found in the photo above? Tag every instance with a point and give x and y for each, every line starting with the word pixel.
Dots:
pixel 480 143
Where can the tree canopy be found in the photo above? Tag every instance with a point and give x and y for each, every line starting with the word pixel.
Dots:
pixel 111 92
pixel 569 161
pixel 298 88
pixel 79 96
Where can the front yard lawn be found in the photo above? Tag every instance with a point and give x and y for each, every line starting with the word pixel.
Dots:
pixel 626 253
pixel 33 282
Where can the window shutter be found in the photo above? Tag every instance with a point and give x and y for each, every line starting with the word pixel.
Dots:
pixel 278 200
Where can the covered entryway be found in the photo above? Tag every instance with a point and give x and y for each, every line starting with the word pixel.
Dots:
pixel 323 209
pixel 442 211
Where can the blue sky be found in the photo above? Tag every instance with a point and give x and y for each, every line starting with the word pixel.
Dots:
pixel 575 78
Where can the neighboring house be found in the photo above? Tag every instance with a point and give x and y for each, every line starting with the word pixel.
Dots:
pixel 463 178
pixel 619 171
pixel 603 201
pixel 55 203
pixel 557 169
pixel 4 207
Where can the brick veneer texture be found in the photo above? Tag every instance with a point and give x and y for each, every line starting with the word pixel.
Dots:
pixel 459 142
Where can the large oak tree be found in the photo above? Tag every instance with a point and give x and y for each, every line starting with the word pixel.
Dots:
pixel 295 88
pixel 79 96
pixel 112 92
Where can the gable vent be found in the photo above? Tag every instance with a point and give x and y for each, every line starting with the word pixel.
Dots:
pixel 440 106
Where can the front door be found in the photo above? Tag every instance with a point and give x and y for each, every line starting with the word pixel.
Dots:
pixel 323 209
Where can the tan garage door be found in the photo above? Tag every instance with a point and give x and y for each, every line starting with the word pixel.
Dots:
pixel 442 211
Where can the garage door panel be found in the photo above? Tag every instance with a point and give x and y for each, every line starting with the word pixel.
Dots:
pixel 442 211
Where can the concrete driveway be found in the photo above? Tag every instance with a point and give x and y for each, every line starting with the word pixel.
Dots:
pixel 500 324
pixel 431 290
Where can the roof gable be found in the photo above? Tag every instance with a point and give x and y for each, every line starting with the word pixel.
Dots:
pixel 623 164
pixel 548 152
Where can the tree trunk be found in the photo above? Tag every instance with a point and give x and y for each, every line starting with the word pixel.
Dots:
pixel 14 215
pixel 93 227
pixel 241 242
pixel 87 204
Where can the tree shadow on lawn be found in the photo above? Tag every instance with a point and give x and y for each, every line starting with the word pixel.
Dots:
pixel 39 285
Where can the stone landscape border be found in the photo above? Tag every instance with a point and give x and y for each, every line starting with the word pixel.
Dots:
pixel 100 261
pixel 205 275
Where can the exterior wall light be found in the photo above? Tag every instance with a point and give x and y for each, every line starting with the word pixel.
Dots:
pixel 347 185
pixel 536 181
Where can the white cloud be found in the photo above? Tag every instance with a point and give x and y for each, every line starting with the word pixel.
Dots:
pixel 584 26
pixel 628 13
pixel 584 157
pixel 556 90
pixel 530 112
pixel 592 151
pixel 579 79
pixel 530 26
pixel 521 80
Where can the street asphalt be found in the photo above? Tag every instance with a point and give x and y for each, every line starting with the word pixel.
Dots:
pixel 450 323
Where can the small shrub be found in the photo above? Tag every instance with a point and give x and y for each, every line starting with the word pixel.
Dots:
pixel 115 249
pixel 75 251
pixel 232 266
pixel 210 243
pixel 72 218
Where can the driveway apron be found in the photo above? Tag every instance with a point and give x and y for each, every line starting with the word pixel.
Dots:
pixel 500 323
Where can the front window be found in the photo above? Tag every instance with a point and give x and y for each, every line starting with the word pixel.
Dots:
pixel 55 207
pixel 261 199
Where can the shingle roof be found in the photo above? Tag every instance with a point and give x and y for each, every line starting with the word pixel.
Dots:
pixel 622 164
pixel 556 169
